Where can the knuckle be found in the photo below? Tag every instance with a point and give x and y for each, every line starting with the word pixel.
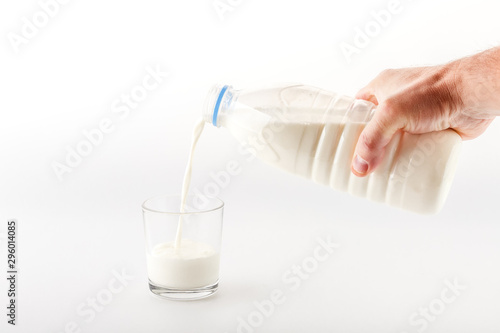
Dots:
pixel 389 109
pixel 369 142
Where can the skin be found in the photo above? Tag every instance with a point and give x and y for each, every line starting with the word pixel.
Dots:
pixel 463 95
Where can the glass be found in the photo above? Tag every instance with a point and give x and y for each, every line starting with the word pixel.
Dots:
pixel 183 248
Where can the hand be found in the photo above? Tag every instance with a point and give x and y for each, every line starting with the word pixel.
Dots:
pixel 463 95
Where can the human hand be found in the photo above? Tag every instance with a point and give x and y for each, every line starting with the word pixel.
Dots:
pixel 463 95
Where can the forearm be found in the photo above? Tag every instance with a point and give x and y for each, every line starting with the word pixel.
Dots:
pixel 477 80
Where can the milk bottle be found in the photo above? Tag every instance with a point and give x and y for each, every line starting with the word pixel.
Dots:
pixel 313 133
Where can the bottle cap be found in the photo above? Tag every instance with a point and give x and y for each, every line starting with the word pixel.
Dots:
pixel 218 97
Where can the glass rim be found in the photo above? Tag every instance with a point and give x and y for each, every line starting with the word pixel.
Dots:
pixel 220 205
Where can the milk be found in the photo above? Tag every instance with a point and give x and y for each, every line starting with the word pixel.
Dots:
pixel 312 133
pixel 193 265
pixel 198 129
pixel 184 263
pixel 323 153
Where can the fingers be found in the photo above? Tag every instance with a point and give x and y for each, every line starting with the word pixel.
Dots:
pixel 379 131
pixel 387 83
pixel 375 137
pixel 367 94
pixel 376 90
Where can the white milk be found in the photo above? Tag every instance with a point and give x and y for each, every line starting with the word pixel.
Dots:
pixel 416 172
pixel 193 265
pixel 184 263
pixel 198 129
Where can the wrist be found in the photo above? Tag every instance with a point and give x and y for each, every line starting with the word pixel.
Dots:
pixel 477 82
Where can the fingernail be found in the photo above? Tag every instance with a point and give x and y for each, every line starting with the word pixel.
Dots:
pixel 360 165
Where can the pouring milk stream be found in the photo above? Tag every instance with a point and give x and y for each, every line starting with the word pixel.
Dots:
pixel 184 263
pixel 198 129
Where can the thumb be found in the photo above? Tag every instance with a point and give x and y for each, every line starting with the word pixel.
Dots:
pixel 373 140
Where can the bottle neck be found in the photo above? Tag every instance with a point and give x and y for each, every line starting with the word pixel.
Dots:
pixel 217 103
pixel 221 99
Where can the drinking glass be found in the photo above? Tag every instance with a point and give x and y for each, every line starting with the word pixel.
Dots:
pixel 183 247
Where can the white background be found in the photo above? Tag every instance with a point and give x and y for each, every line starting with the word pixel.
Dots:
pixel 74 233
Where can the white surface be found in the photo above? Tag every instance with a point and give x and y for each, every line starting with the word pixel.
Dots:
pixel 76 235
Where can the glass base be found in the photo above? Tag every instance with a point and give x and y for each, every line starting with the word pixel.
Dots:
pixel 183 294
